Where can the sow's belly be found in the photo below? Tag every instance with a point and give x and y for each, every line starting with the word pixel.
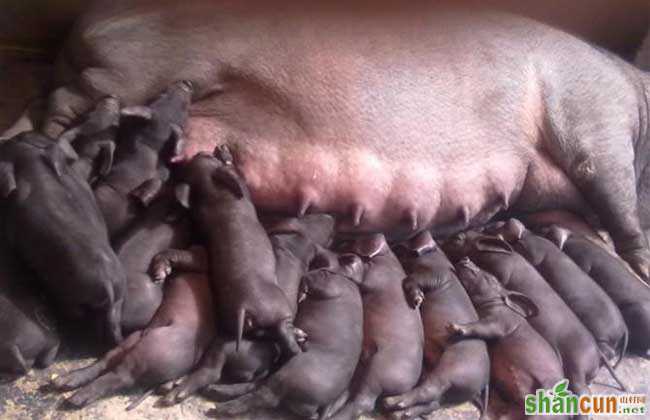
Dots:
pixel 375 180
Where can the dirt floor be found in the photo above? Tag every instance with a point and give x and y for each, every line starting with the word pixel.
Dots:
pixel 28 397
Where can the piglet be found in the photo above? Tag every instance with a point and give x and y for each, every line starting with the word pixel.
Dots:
pixel 296 242
pixel 149 136
pixel 51 220
pixel 167 349
pixel 241 260
pixel 162 226
pixel 521 361
pixel 28 335
pixel 585 297
pixel 628 291
pixel 393 338
pixel 94 139
pixel 581 357
pixel 456 370
pixel 312 382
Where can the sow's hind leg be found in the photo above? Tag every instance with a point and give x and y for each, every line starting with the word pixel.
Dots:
pixel 590 135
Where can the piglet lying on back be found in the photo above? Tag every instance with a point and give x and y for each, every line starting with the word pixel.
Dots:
pixel 393 340
pixel 456 370
pixel 167 349
pixel 241 260
pixel 521 360
pixel 312 382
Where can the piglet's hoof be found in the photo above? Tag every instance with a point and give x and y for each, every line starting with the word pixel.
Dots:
pixel 415 297
pixel 301 338
pixel 639 261
pixel 161 268
pixel 455 329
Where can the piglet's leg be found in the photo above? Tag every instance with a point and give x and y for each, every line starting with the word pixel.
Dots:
pixel 104 385
pixel 82 376
pixel 290 337
pixel 222 392
pixel 208 373
pixel 486 329
pixel 416 411
pixel 365 393
pixel 193 259
pixel 263 397
pixel 427 394
pixel 46 358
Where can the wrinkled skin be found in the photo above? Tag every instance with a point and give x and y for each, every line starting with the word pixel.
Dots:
pixel 521 361
pixel 628 292
pixel 52 222
pixel 555 321
pixel 312 382
pixel 393 338
pixel 318 121
pixel 167 349
pixel 242 264
pixel 28 334
pixel 295 244
pixel 94 139
pixel 162 226
pixel 148 138
pixel 455 370
pixel 585 297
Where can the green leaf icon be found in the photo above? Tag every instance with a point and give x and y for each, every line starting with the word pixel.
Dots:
pixel 560 388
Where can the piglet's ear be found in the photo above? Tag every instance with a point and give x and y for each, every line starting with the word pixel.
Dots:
pixel 60 154
pixel 105 157
pixel 493 244
pixel 228 179
pixel 521 304
pixel 67 150
pixel 7 179
pixel 182 192
pixel 142 113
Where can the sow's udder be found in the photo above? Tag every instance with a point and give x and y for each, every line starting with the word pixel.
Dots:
pixel 370 183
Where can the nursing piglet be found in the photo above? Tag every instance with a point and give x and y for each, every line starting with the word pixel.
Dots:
pixel 521 361
pixel 149 136
pixel 393 339
pixel 628 291
pixel 241 260
pixel 455 370
pixel 584 296
pixel 312 382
